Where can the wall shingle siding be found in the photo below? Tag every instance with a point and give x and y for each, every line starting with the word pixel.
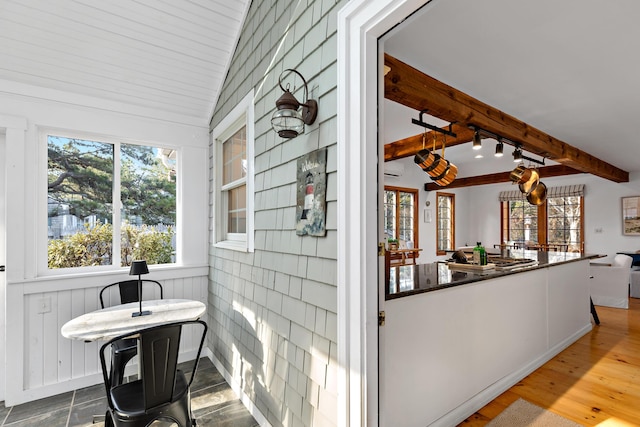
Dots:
pixel 272 313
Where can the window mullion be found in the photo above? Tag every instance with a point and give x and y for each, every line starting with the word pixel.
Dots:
pixel 117 208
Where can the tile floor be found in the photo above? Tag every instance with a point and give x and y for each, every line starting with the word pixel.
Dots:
pixel 212 401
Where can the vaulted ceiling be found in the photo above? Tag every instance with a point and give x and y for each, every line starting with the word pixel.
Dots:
pixel 563 68
pixel 165 58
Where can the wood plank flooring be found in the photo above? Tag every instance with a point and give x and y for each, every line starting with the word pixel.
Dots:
pixel 595 381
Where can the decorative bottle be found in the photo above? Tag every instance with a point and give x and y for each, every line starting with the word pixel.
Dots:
pixel 476 254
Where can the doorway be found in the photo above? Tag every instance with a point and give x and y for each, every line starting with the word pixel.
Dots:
pixel 360 24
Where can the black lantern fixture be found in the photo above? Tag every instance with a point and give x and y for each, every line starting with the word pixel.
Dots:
pixel 139 268
pixel 288 121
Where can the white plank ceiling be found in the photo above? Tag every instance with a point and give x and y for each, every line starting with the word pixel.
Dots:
pixel 166 57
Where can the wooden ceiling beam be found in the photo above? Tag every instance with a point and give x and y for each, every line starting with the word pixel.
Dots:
pixel 410 146
pixel 495 178
pixel 414 89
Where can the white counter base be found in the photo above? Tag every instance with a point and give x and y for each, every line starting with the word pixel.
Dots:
pixel 453 350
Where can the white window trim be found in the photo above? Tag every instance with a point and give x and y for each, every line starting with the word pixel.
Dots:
pixel 43 269
pixel 242 115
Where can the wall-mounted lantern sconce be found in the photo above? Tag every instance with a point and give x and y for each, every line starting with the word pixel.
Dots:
pixel 288 121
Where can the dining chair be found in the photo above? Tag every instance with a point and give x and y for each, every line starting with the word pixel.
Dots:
pixel 162 393
pixel 124 292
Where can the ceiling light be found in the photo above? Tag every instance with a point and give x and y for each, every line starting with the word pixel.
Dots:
pixel 477 142
pixel 517 155
pixel 499 148
pixel 479 156
pixel 287 120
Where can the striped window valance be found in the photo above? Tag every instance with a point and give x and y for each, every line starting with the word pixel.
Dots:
pixel 512 195
pixel 563 191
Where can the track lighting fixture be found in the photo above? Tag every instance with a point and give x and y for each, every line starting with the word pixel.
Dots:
pixel 517 152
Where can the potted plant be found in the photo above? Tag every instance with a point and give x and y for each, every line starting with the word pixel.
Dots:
pixel 393 244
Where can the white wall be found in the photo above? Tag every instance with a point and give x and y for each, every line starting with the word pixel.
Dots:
pixel 40 362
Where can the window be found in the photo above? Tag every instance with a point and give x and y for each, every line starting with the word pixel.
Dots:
pixel 400 214
pixel 519 222
pixel 564 222
pixel 233 172
pixel 557 223
pixel 234 183
pixel 105 194
pixel 445 222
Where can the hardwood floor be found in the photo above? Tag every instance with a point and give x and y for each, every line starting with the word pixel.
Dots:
pixel 595 381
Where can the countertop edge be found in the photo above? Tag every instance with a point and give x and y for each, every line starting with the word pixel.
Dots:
pixel 488 275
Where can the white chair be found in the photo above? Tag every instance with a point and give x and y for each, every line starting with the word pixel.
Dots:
pixel 609 284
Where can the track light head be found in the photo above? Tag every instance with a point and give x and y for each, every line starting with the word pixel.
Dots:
pixel 517 155
pixel 499 148
pixel 477 141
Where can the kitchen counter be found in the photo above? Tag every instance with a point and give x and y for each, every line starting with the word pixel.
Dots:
pixel 409 280
pixel 464 337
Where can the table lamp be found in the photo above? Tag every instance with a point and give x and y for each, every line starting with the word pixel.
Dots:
pixel 139 268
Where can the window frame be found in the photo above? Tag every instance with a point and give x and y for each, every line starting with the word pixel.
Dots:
pixel 42 266
pixel 452 234
pixel 543 222
pixel 241 115
pixel 582 220
pixel 416 223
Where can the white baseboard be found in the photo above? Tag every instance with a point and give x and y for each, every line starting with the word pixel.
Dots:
pixel 478 401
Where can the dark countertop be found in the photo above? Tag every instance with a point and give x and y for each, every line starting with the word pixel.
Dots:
pixel 406 280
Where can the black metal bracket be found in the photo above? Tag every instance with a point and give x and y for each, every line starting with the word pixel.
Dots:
pixel 530 159
pixel 422 123
pixel 523 157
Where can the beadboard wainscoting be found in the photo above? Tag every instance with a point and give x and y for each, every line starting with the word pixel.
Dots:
pixel 51 364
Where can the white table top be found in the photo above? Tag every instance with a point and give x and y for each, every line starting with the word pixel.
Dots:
pixel 117 320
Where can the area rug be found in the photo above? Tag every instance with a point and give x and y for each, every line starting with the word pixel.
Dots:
pixel 522 413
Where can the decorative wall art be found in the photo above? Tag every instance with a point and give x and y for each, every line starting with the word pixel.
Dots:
pixel 631 216
pixel 311 193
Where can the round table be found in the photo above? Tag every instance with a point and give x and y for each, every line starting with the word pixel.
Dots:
pixel 118 320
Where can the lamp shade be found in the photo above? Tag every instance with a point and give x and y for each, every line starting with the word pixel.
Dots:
pixel 138 267
pixel 288 123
